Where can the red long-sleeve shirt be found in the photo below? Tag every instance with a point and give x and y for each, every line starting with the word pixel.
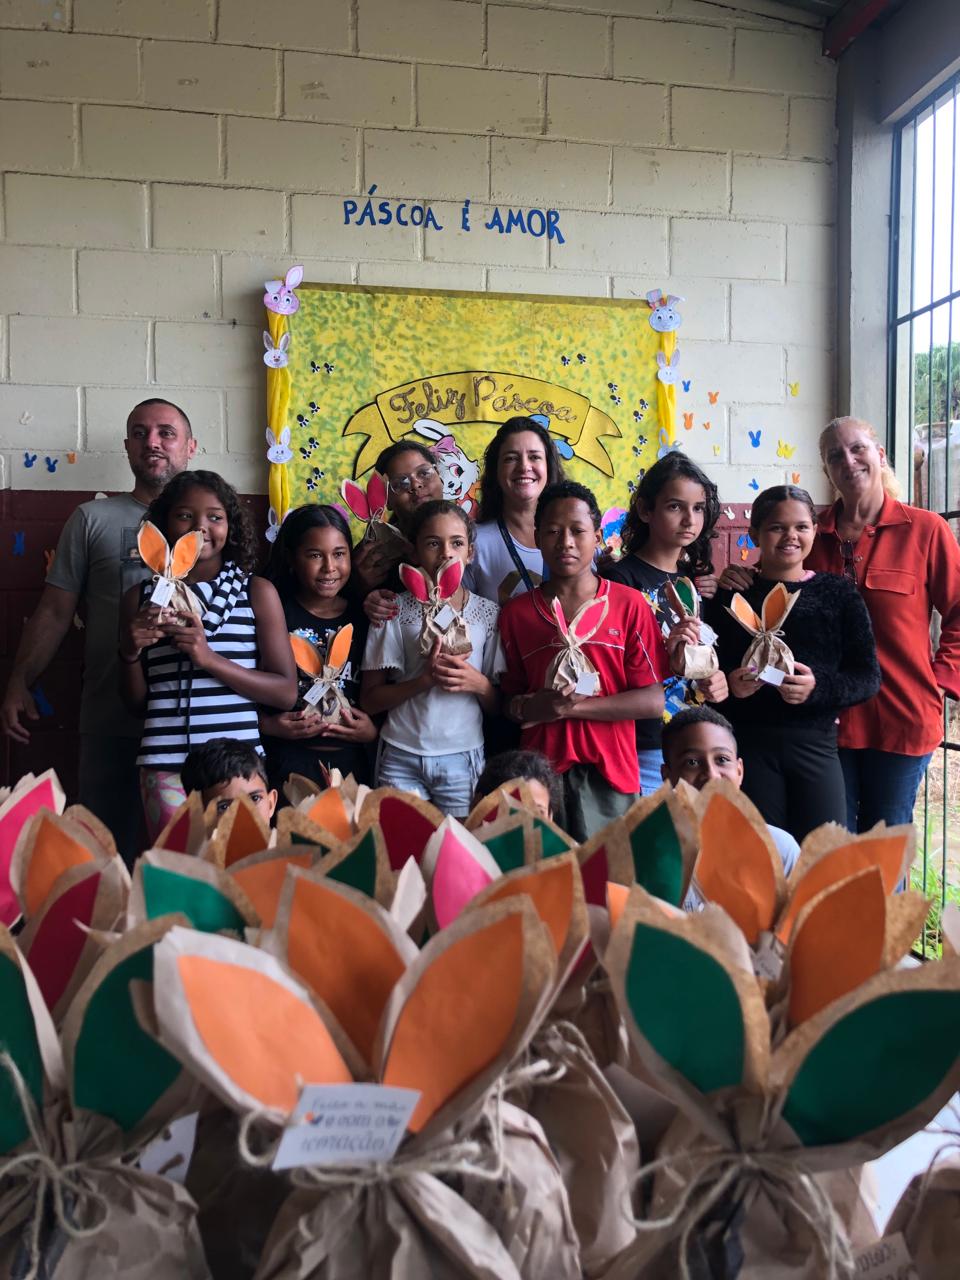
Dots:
pixel 907 564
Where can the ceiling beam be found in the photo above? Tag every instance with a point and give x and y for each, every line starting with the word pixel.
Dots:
pixel 851 22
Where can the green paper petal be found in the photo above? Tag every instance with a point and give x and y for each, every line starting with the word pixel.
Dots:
pixel 685 1004
pixel 506 849
pixel 685 591
pixel 18 1036
pixel 552 844
pixel 167 893
pixel 359 867
pixel 119 1071
pixel 657 857
pixel 874 1065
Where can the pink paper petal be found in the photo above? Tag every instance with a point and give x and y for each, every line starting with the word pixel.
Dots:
pixel 12 823
pixel 457 879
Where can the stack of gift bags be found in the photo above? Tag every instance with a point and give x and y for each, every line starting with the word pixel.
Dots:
pixel 600 1083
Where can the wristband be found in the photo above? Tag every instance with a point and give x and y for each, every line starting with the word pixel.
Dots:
pixel 129 661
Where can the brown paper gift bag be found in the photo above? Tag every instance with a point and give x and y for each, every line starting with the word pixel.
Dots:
pixel 928 1216
pixel 571 663
pixel 699 660
pixel 440 622
pixel 768 648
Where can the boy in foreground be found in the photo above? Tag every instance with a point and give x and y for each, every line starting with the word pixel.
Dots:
pixel 223 769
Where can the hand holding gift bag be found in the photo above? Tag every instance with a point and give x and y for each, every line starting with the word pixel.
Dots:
pixel 170 567
pixel 699 660
pixel 571 671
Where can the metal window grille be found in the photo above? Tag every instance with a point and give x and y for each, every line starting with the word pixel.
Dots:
pixel 923 430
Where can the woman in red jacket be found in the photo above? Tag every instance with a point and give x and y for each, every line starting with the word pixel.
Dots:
pixel 906 563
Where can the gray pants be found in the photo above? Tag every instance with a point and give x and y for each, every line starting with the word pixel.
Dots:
pixel 110 788
pixel 590 802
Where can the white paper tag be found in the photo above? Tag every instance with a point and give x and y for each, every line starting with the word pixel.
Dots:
pixel 888 1259
pixel 170 1154
pixel 588 683
pixel 772 675
pixel 162 593
pixel 314 693
pixel 346 1124
pixel 707 633
pixel 444 618
pixel 768 956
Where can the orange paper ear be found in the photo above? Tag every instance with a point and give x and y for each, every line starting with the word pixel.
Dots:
pixel 776 606
pixel 49 846
pixel 185 553
pixel 261 877
pixel 555 889
pixel 837 944
pixel 464 1001
pixel 328 811
pixel 305 655
pixel 743 612
pixel 617 895
pixel 153 547
pixel 886 852
pixel 335 941
pixel 737 868
pixel 240 832
pixel 339 649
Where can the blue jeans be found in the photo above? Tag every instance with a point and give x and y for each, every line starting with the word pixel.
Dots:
pixel 446 781
pixel 880 784
pixel 651 778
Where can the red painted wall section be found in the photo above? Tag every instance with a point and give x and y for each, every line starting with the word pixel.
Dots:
pixel 30 524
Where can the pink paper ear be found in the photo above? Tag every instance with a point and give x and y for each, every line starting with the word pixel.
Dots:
pixel 590 619
pixel 355 499
pixel 376 492
pixel 558 616
pixel 449 579
pixel 415 582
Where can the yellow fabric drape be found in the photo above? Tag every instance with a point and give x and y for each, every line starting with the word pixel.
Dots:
pixel 278 406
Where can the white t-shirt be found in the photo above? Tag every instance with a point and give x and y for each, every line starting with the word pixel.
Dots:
pixel 435 722
pixel 492 572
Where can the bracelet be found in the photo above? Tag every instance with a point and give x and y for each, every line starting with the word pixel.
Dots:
pixel 129 661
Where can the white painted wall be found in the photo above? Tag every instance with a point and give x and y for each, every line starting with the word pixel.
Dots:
pixel 164 157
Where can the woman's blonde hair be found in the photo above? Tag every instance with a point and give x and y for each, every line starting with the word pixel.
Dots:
pixel 891 485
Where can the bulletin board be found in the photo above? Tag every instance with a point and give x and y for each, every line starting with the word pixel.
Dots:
pixel 353 369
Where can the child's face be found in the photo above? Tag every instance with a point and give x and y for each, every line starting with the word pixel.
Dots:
pixel 412 481
pixel 443 538
pixel 786 537
pixel 321 562
pixel 541 797
pixel 678 513
pixel 566 538
pixel 200 509
pixel 254 788
pixel 700 753
pixel 522 467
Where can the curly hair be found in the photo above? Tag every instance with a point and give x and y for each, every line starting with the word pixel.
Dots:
pixel 696 558
pixel 241 544
pixel 491 495
pixel 561 492
pixel 521 764
pixel 296 525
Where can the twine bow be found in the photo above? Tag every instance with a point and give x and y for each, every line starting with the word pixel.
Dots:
pixel 41 1167
pixel 330 701
pixel 711 1173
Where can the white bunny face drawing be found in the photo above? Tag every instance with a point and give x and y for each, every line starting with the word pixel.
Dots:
pixel 664 317
pixel 279 296
pixel 667 372
pixel 458 472
pixel 275 357
pixel 279 450
pixel 273 526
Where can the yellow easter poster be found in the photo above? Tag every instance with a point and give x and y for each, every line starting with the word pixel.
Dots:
pixel 352 369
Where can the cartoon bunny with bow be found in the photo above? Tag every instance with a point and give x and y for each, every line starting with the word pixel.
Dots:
pixel 458 472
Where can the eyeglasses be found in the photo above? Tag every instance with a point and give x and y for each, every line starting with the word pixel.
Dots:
pixel 850 560
pixel 403 484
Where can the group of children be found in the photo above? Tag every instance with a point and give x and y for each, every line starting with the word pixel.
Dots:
pixel 416 708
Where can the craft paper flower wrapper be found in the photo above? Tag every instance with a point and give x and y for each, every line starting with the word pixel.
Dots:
pixel 571 669
pixel 842 1088
pixel 324 670
pixel 171 565
pixel 441 623
pixel 928 1216
pixel 768 648
pixel 98 1102
pixel 699 660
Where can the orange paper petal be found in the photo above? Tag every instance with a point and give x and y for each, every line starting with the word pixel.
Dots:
pixel 617 895
pixel 305 655
pixel 883 852
pixel 340 646
pixel 345 957
pixel 53 853
pixel 153 547
pixel 734 868
pixel 458 1016
pixel 258 1032
pixel 838 946
pixel 327 811
pixel 185 552
pixel 262 883
pixel 551 892
pixel 246 837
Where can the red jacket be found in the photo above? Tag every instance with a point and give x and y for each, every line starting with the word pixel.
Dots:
pixel 907 564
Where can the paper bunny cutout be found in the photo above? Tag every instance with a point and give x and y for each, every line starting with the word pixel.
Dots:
pixel 571 671
pixel 440 620
pixel 663 315
pixel 699 660
pixel 371 507
pixel 667 373
pixel 272 531
pixel 279 450
pixel 279 296
pixel 275 357
pixel 326 669
pixel 767 649
pixel 171 565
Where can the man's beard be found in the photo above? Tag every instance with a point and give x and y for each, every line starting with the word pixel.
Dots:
pixel 156 481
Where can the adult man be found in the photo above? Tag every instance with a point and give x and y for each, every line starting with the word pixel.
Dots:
pixel 97 559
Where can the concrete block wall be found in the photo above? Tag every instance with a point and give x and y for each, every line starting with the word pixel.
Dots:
pixel 162 158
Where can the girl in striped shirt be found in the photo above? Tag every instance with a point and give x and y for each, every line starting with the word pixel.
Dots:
pixel 193 678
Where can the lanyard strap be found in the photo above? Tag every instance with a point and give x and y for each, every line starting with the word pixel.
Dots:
pixel 515 555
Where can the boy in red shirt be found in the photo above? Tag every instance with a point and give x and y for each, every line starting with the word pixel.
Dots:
pixel 589 739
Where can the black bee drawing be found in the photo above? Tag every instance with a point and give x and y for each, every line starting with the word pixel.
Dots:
pixel 564 360
pixel 613 386
pixel 313 442
pixel 631 487
pixel 314 367
pixel 637 415
pixel 317 473
pixel 641 441
pixel 616 399
pixel 637 451
pixel 644 405
pixel 311 484
pixel 314 407
pixel 305 453
pixel 581 357
pixel 303 420
pixel 328 367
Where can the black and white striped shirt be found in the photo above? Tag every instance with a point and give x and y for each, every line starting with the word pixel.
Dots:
pixel 186 706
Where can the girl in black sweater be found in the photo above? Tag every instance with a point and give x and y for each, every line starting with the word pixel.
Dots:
pixel 788 733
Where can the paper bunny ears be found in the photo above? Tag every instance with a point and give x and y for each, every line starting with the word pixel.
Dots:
pixel 170 566
pixel 768 650
pixel 371 506
pixel 326 669
pixel 441 622
pixel 571 670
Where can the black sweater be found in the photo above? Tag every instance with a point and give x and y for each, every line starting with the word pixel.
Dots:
pixel 828 629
